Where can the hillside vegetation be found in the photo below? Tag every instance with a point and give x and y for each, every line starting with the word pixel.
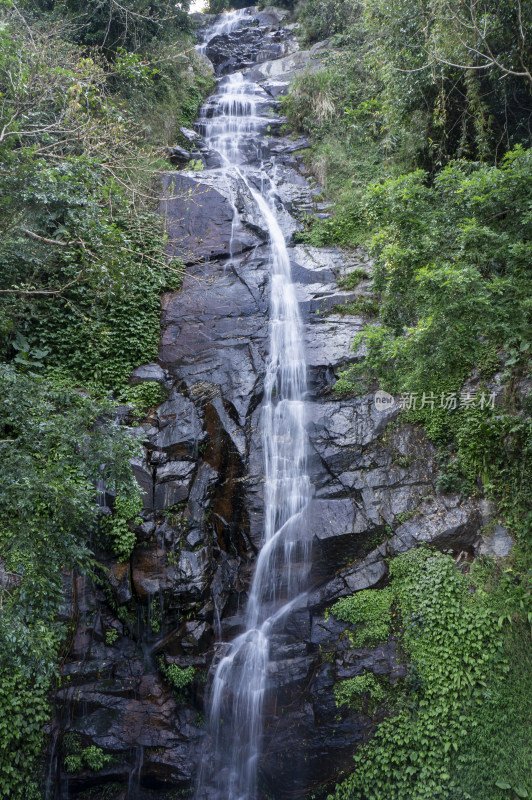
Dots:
pixel 420 136
pixel 90 93
pixel 420 132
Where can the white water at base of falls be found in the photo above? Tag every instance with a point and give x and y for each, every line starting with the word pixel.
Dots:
pixel 236 702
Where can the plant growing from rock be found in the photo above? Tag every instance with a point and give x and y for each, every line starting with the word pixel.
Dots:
pixel 118 526
pixel 179 678
pixel 91 757
pixel 449 633
pixel 111 636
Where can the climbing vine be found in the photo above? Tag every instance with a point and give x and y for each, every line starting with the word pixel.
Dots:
pixel 370 611
pixel 449 633
pixel 118 526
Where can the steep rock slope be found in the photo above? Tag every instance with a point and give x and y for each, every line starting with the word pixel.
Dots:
pixel 185 585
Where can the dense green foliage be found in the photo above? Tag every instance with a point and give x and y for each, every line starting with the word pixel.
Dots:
pixel 441 80
pixel 25 710
pixel 453 280
pixel 57 443
pixel 371 611
pixel 495 755
pixel 452 270
pixel 117 527
pixel 459 677
pixel 419 123
pixel 134 25
pixel 89 94
pixel 415 86
pixel 82 253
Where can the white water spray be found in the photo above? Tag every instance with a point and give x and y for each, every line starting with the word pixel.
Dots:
pixel 227 22
pixel 229 771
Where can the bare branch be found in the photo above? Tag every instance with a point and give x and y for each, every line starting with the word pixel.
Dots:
pixel 464 30
pixel 25 292
pixel 33 235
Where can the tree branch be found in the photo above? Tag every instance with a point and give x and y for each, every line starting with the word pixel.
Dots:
pixel 26 292
pixel 33 235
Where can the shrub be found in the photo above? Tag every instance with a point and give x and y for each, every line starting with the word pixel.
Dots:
pixel 91 757
pixel 178 677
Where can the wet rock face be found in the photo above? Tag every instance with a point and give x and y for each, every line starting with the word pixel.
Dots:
pixel 185 586
pixel 258 37
pixel 233 51
pixel 310 740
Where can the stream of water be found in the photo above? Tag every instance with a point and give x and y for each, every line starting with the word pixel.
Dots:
pixel 236 703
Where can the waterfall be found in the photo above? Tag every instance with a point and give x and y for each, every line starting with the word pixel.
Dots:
pixel 232 126
pixel 226 22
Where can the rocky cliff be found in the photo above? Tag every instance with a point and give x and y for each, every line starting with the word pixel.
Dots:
pixel 185 585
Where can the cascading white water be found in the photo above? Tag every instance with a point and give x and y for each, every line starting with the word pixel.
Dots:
pixel 229 771
pixel 225 23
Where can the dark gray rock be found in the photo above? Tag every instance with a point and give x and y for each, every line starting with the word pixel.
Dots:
pixel 186 583
pixel 218 336
pixel 498 544
pixel 233 51
pixel 199 219
pixel 170 494
pixel 180 429
pixel 147 372
pixel 173 481
pixel 119 576
pixel 144 478
pixel 178 155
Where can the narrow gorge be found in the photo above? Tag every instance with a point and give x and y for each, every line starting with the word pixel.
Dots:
pixel 205 665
